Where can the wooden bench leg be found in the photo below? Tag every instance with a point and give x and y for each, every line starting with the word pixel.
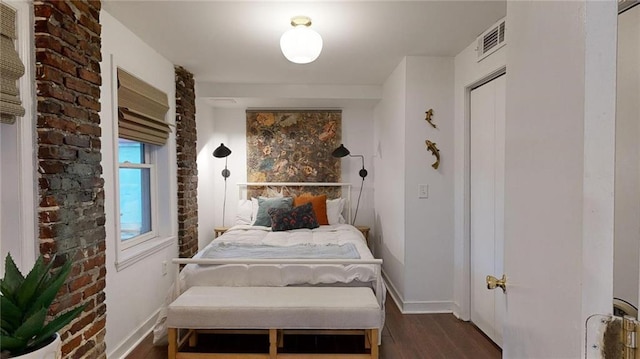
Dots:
pixel 193 338
pixel 280 338
pixel 374 343
pixel 273 343
pixel 173 343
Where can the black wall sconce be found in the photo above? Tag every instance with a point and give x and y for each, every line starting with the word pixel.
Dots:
pixel 223 152
pixel 343 152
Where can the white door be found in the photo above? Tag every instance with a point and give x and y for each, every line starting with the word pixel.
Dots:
pixel 487 205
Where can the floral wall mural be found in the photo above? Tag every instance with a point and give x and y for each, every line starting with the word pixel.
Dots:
pixel 293 146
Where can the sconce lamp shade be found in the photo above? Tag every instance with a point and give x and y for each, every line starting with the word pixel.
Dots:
pixel 340 151
pixel 222 151
pixel 301 45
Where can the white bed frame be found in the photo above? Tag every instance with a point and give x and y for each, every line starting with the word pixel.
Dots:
pixel 208 261
pixel 243 188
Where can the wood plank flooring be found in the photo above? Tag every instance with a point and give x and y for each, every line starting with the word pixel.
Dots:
pixel 405 336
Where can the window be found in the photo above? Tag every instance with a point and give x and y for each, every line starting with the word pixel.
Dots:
pixel 144 168
pixel 136 176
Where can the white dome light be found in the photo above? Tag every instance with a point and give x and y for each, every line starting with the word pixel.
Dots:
pixel 301 45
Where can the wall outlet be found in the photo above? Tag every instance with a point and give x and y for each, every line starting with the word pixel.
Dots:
pixel 164 267
pixel 423 191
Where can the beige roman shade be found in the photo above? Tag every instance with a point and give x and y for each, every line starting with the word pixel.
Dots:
pixel 11 67
pixel 141 111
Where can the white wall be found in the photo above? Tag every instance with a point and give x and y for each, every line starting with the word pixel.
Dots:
pixel 206 171
pixel 228 126
pixel 558 174
pixel 416 235
pixel 429 222
pixel 468 74
pixel 389 137
pixel 135 293
pixel 627 188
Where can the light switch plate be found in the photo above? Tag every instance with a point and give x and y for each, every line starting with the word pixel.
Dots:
pixel 423 191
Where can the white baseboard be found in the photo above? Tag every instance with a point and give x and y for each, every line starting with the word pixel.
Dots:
pixel 415 307
pixel 138 335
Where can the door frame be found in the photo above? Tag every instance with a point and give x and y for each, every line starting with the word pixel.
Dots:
pixel 465 306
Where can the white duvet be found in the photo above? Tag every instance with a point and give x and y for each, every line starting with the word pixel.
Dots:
pixel 276 275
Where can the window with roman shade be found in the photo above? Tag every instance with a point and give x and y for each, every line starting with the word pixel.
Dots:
pixel 11 67
pixel 141 111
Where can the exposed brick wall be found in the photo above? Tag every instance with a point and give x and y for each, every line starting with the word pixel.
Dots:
pixel 71 195
pixel 186 137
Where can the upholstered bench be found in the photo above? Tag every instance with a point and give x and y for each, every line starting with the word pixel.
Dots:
pixel 276 311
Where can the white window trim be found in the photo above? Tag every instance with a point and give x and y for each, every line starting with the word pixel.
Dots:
pixel 126 257
pixel 150 163
pixel 25 141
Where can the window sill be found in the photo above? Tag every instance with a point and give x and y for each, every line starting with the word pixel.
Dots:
pixel 136 253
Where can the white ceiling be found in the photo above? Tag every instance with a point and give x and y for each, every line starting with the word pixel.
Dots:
pixel 237 42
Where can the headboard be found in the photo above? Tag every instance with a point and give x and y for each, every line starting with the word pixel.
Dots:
pixel 268 189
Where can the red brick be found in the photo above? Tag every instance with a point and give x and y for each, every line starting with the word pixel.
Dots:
pixel 76 84
pixel 80 282
pixel 70 344
pixel 50 58
pixel 57 152
pixel 50 137
pixel 49 42
pixel 95 328
pixel 48 121
pixel 99 286
pixel 90 76
pixel 75 112
pixel 51 166
pixel 76 55
pixel 48 216
pixel 84 321
pixel 48 73
pixel 50 89
pixel 89 129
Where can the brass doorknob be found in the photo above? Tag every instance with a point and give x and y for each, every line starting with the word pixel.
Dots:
pixel 493 282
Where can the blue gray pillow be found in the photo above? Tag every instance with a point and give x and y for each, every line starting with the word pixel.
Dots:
pixel 264 204
pixel 295 218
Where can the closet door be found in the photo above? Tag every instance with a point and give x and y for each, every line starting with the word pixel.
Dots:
pixel 487 205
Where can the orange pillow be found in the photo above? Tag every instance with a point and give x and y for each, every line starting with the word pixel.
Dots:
pixel 319 204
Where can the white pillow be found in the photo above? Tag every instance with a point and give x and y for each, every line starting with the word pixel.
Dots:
pixel 334 210
pixel 245 212
pixel 254 210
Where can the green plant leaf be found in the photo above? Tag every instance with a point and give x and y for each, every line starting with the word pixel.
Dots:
pixel 12 278
pixel 7 327
pixel 48 293
pixel 57 324
pixel 32 325
pixel 11 344
pixel 25 294
pixel 9 313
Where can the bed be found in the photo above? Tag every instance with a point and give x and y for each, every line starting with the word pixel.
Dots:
pixel 250 255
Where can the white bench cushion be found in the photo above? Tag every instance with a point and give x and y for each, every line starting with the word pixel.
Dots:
pixel 275 307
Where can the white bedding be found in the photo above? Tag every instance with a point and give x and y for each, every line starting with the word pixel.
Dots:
pixel 276 275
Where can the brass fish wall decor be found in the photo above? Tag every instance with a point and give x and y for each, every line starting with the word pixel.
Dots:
pixel 431 146
pixel 429 114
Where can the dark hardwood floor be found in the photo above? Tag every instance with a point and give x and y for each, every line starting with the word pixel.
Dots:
pixel 405 336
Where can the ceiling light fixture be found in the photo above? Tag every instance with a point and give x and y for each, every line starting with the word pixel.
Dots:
pixel 301 45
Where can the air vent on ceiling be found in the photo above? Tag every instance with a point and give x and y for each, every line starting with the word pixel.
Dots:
pixel 492 39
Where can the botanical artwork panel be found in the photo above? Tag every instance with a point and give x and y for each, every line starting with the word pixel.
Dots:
pixel 293 146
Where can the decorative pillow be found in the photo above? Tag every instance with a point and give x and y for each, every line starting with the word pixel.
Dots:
pixel 254 209
pixel 244 215
pixel 319 204
pixel 334 210
pixel 264 204
pixel 295 218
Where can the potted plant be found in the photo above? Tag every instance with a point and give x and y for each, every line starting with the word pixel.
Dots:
pixel 24 304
